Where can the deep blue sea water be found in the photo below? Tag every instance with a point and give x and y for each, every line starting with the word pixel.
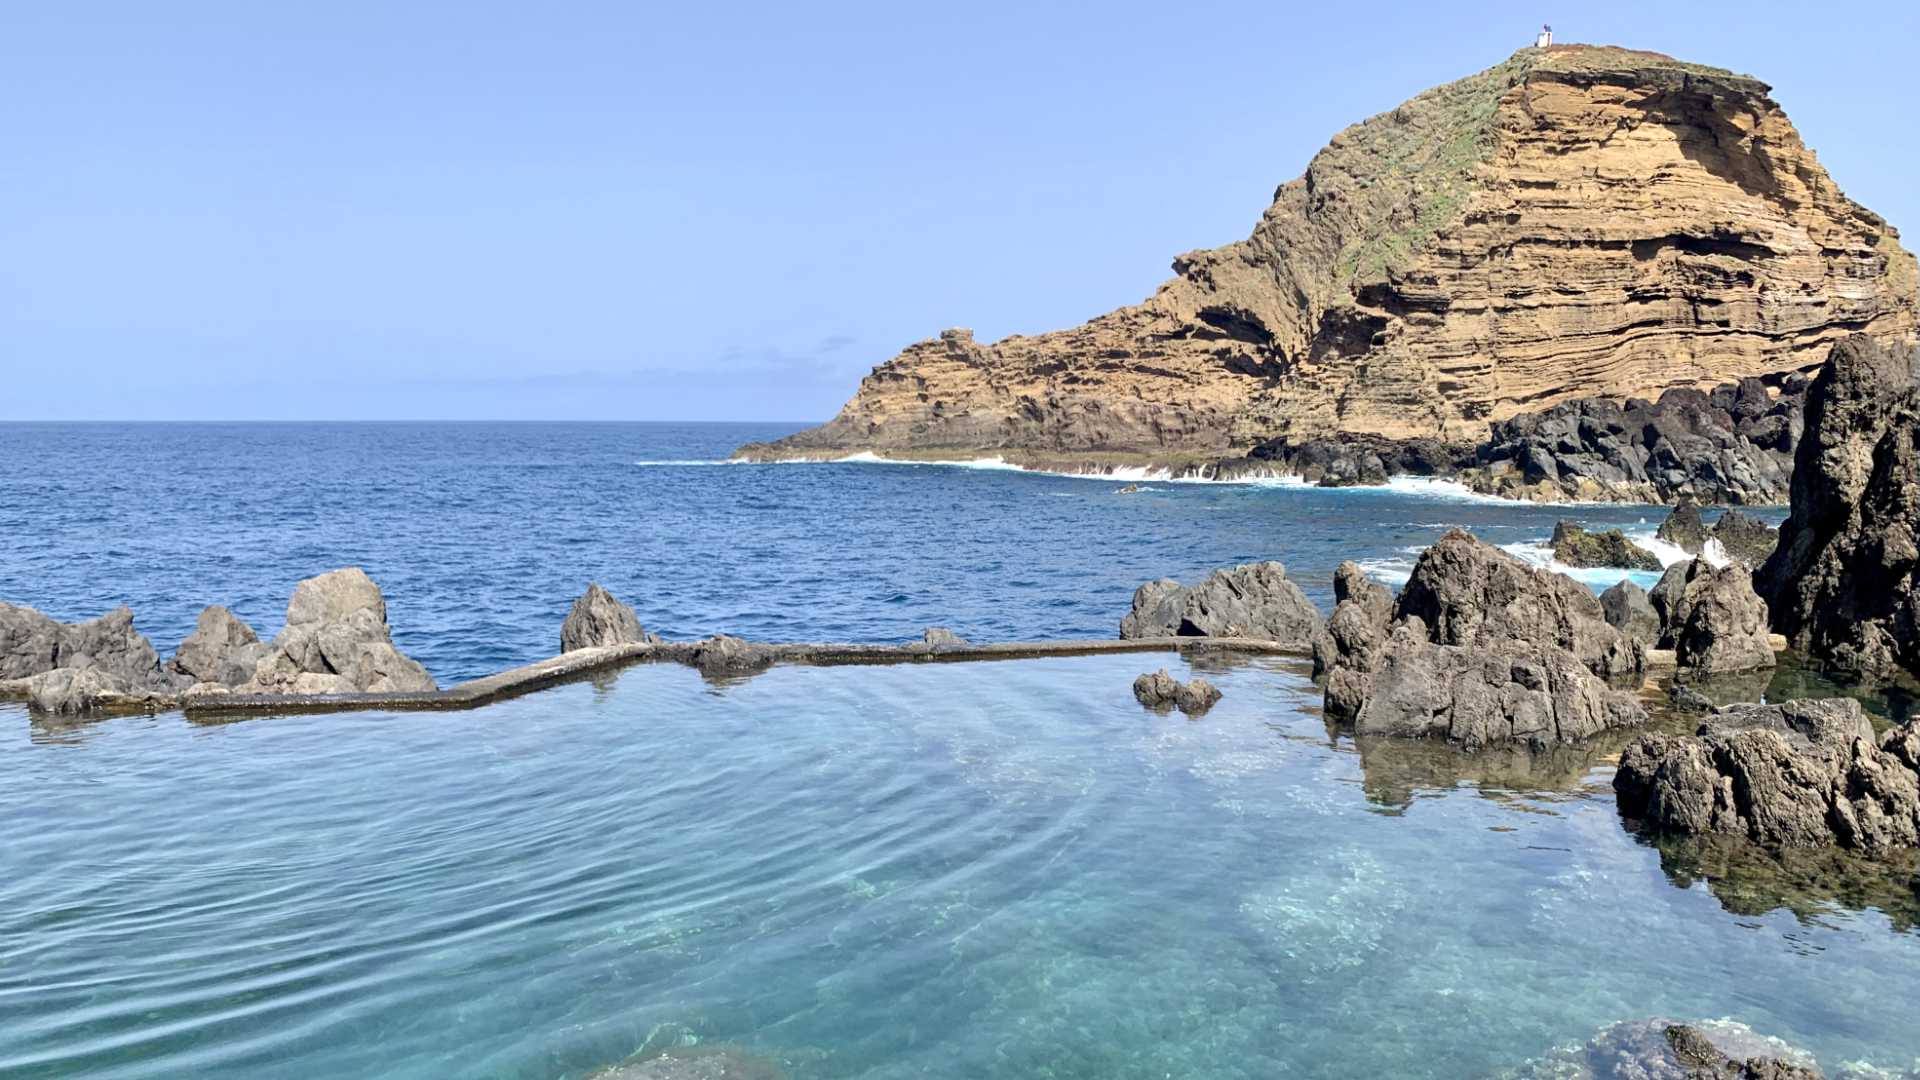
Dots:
pixel 971 870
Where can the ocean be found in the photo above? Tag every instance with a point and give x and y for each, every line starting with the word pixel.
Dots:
pixel 1002 869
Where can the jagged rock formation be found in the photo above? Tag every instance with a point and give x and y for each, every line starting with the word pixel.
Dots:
pixel 1577 221
pixel 1740 537
pixel 68 668
pixel 597 619
pixel 1255 600
pixel 222 650
pixel 1801 774
pixel 1716 622
pixel 1480 649
pixel 1575 546
pixel 336 641
pixel 1842 582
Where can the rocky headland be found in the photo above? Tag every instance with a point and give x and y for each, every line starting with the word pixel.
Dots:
pixel 1585 273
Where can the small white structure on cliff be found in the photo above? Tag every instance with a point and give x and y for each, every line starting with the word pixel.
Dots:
pixel 1545 39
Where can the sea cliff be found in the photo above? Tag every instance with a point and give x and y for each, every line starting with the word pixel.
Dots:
pixel 1577 222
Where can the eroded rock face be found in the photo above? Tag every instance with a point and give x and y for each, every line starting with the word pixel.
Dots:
pixel 1719 624
pixel 598 619
pixel 1841 585
pixel 1576 209
pixel 1745 539
pixel 1159 690
pixel 1255 601
pixel 939 637
pixel 1663 1049
pixel 1684 528
pixel 1480 649
pixel 77 691
pixel 336 641
pixel 1575 546
pixel 1799 774
pixel 222 650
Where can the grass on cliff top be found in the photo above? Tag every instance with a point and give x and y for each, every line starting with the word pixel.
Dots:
pixel 1426 151
pixel 1424 155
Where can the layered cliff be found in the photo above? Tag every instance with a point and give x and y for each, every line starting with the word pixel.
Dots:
pixel 1578 221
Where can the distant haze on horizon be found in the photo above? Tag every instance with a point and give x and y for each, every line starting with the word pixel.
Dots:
pixel 701 212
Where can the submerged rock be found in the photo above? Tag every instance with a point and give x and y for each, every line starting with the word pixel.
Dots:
pixel 1159 690
pixel 1663 1049
pixel 1799 774
pixel 1628 610
pixel 1719 622
pixel 693 1063
pixel 1254 601
pixel 1575 546
pixel 1479 649
pixel 222 650
pixel 1843 584
pixel 597 619
pixel 336 641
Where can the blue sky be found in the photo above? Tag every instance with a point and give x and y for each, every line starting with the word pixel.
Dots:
pixel 708 211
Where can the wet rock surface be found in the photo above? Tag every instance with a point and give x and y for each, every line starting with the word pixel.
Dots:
pixel 1252 601
pixel 1159 690
pixel 1798 774
pixel 598 619
pixel 1841 585
pixel 1480 649
pixel 336 641
pixel 1575 546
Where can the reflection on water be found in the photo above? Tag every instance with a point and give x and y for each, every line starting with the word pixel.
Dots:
pixel 956 870
pixel 1809 882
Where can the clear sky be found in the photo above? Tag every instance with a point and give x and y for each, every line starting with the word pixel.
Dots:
pixel 633 210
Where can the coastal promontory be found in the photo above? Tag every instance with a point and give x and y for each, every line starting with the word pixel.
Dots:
pixel 1574 222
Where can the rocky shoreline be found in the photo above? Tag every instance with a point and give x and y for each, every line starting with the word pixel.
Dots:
pixel 1732 445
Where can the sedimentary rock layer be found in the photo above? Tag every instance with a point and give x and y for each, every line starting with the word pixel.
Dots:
pixel 1577 221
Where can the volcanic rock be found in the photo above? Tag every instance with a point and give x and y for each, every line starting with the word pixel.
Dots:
pixel 598 619
pixel 32 644
pixel 1841 584
pixel 1799 774
pixel 336 641
pixel 1663 1049
pixel 1254 601
pixel 1479 648
pixel 1745 539
pixel 1576 222
pixel 1575 546
pixel 1160 690
pixel 1627 609
pixel 222 649
pixel 1683 528
pixel 1718 623
pixel 723 655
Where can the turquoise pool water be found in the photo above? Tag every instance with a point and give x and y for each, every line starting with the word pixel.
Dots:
pixel 965 870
